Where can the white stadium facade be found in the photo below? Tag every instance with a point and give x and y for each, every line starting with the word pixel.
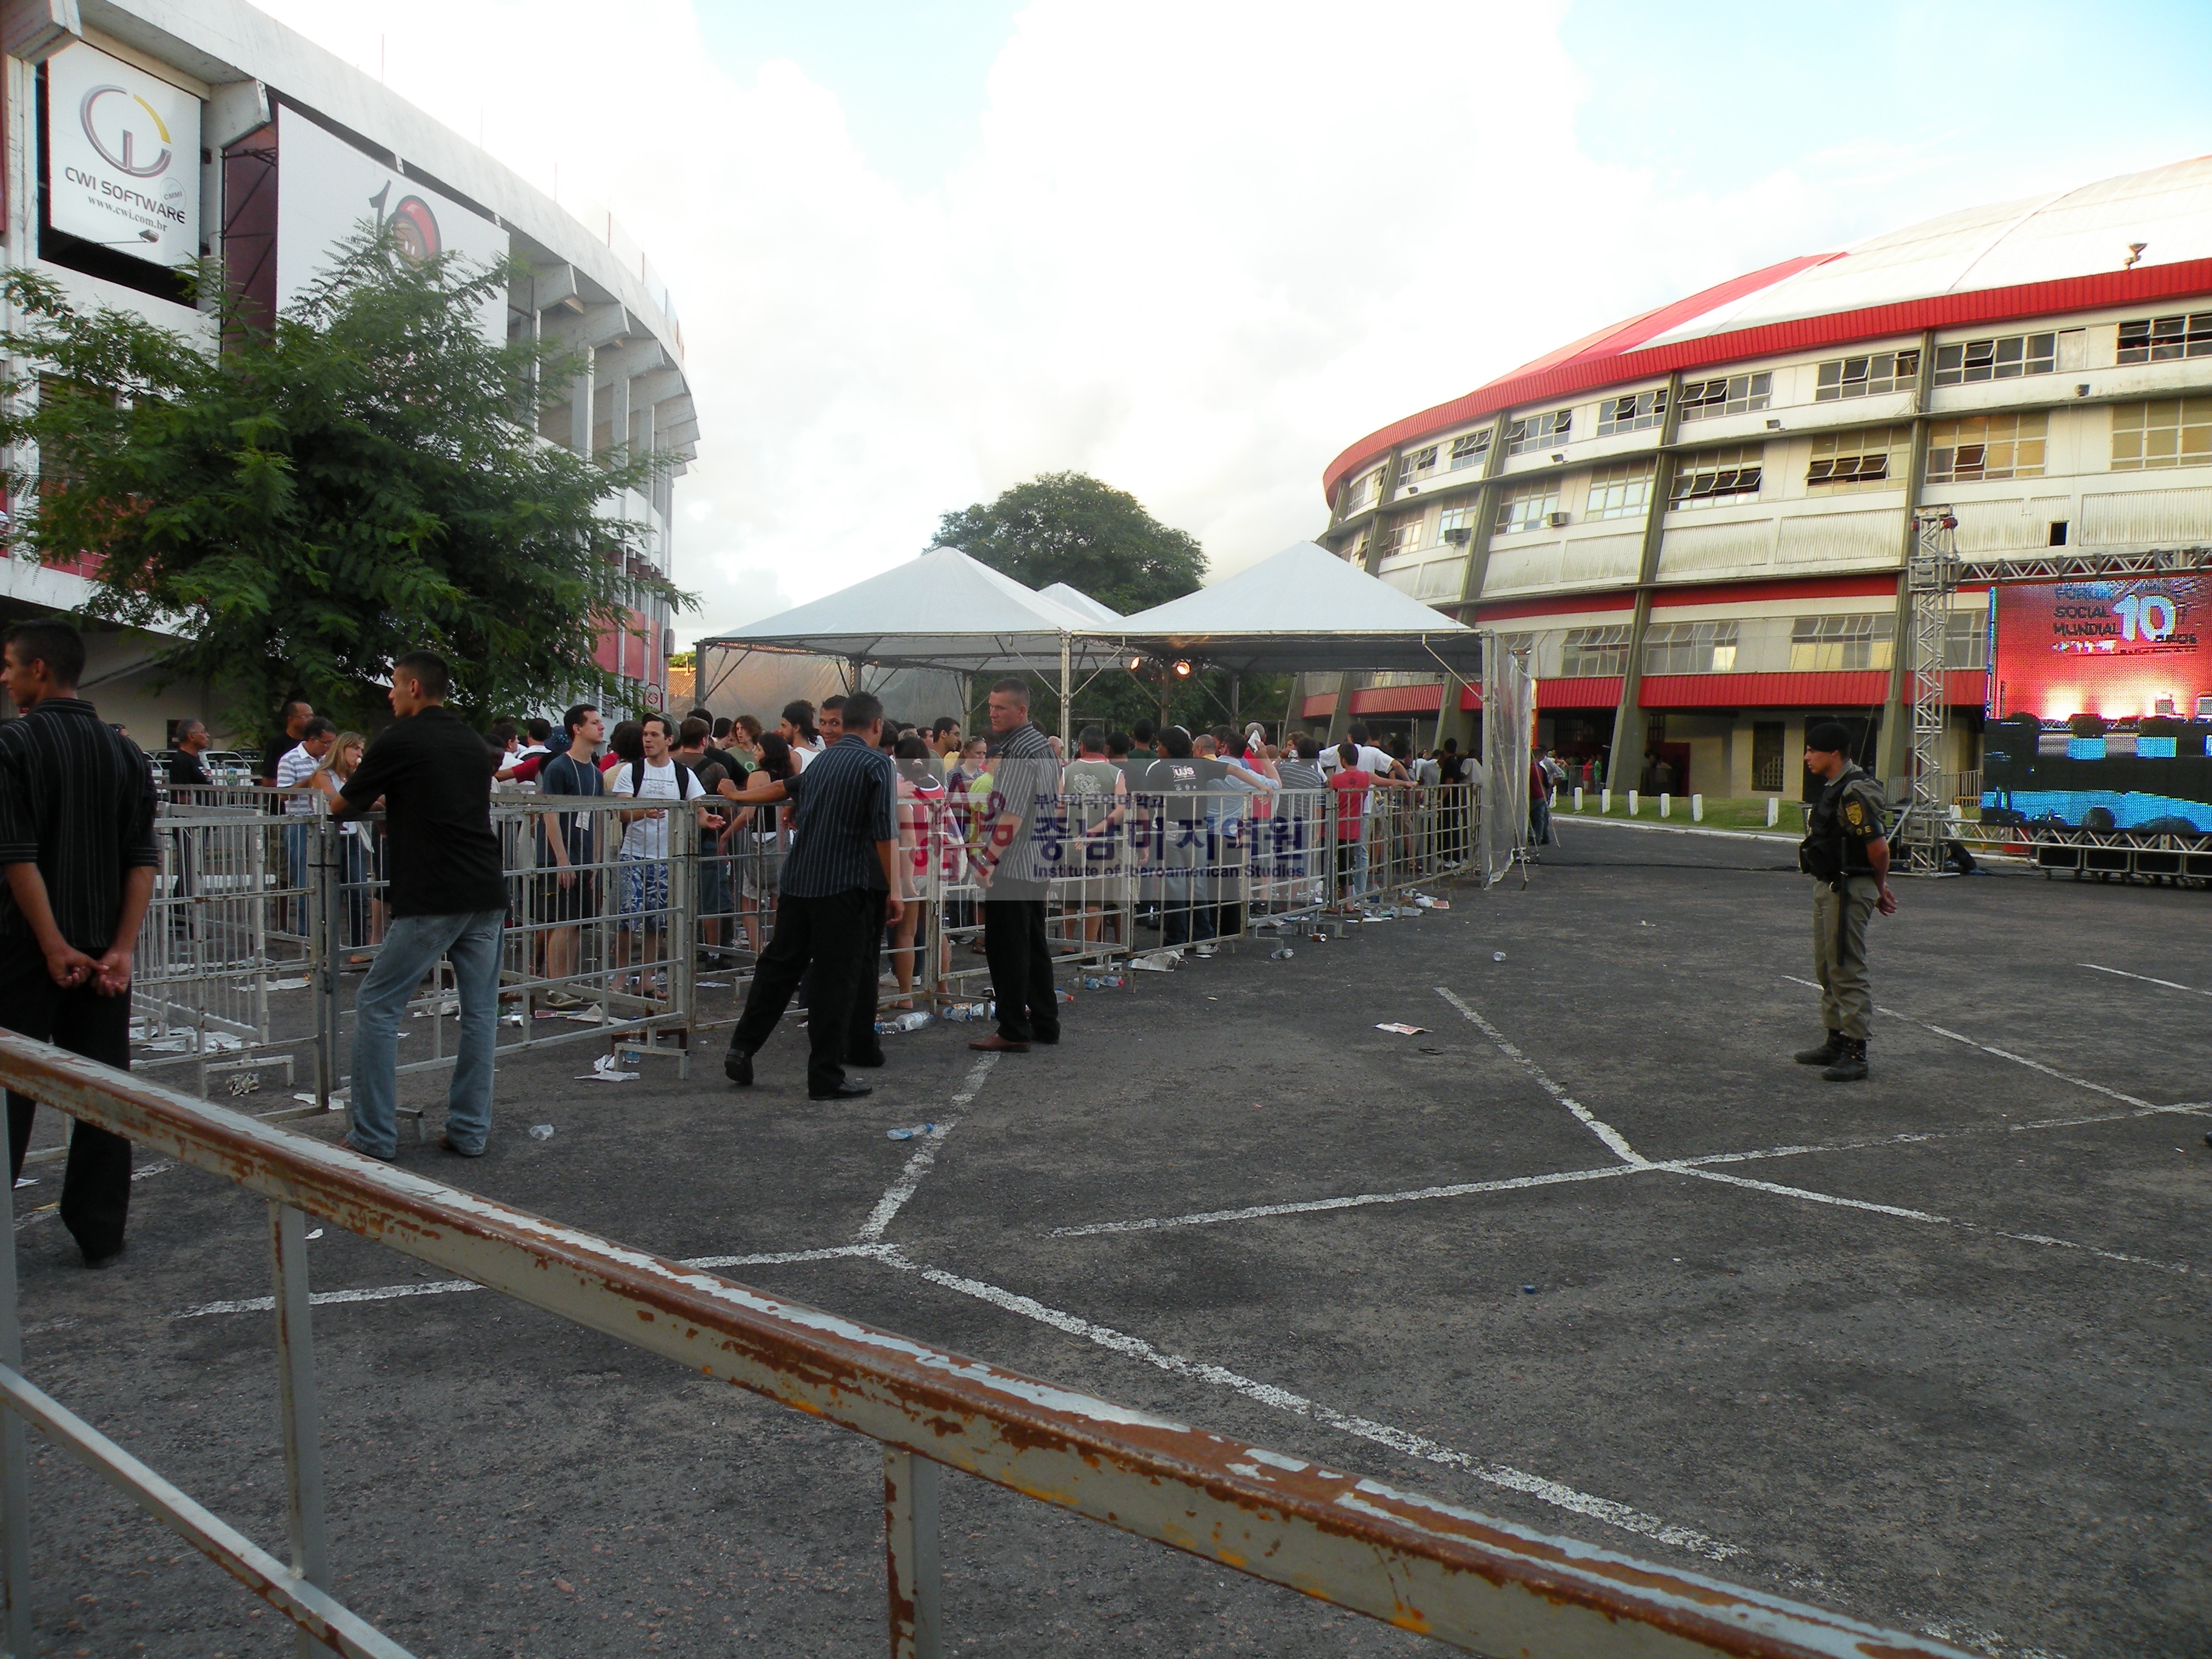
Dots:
pixel 141 135
pixel 1698 520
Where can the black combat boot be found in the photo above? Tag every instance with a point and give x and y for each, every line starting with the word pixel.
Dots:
pixel 1827 1055
pixel 1850 1065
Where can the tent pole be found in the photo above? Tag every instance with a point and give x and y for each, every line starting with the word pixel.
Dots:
pixel 1237 702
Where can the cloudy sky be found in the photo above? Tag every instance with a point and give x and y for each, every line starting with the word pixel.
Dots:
pixel 925 249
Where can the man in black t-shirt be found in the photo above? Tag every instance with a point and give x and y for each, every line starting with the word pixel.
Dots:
pixel 187 772
pixel 448 896
pixel 291 726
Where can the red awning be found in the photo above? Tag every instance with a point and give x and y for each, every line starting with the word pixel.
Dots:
pixel 1317 707
pixel 1399 700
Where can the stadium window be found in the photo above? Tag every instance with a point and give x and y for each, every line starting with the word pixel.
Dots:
pixel 1359 495
pixel 2175 433
pixel 1718 476
pixel 2163 339
pixel 1415 464
pixel 2003 359
pixel 1739 394
pixel 1595 652
pixel 1987 446
pixel 1623 492
pixel 1469 450
pixel 1705 648
pixel 1535 431
pixel 1633 413
pixel 1866 377
pixel 1857 460
pixel 1526 507
pixel 1831 645
pixel 1455 517
pixel 1405 536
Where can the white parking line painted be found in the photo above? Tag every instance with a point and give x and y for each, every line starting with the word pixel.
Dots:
pixel 1564 1497
pixel 1611 1137
pixel 1603 1172
pixel 895 1197
pixel 1312 1207
pixel 456 1286
pixel 2043 1239
pixel 2001 1053
pixel 2124 974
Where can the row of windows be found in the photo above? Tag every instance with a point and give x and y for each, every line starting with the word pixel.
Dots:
pixel 1974 448
pixel 1817 645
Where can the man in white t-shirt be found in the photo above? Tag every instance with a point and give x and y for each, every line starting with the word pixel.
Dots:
pixel 797 729
pixel 1371 759
pixel 643 863
pixel 294 768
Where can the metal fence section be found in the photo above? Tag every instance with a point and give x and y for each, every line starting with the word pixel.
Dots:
pixel 640 933
pixel 1463 1578
pixel 231 920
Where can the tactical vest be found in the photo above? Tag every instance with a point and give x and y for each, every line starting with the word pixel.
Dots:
pixel 1827 854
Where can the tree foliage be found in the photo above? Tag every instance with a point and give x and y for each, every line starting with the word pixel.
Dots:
pixel 354 480
pixel 1069 527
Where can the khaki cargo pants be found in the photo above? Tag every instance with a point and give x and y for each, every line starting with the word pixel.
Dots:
pixel 1839 954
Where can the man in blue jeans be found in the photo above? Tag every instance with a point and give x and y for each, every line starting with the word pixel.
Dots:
pixel 447 897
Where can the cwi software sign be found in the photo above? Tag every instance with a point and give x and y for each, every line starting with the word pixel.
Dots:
pixel 122 157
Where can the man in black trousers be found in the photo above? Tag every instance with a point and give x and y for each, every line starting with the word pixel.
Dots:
pixel 839 888
pixel 1025 783
pixel 77 842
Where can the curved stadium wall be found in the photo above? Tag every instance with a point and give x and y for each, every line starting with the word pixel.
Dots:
pixel 264 150
pixel 1697 519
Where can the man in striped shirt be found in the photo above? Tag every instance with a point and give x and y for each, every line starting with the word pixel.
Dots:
pixel 77 842
pixel 840 887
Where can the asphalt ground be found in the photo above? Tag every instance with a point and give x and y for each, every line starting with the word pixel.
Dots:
pixel 1930 1350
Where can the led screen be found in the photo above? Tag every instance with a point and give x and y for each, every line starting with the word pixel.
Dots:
pixel 2100 702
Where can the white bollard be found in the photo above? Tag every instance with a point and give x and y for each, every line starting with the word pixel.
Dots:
pixel 1665 805
pixel 1632 803
pixel 1605 799
pixel 1773 810
pixel 1697 809
pixel 1578 798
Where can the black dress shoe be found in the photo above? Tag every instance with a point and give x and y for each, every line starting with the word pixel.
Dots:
pixel 1047 1039
pixel 842 1092
pixel 96 1262
pixel 737 1066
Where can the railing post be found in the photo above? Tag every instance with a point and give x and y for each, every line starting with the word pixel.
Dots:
pixel 912 1574
pixel 16 1638
pixel 302 1430
pixel 684 934
pixel 326 950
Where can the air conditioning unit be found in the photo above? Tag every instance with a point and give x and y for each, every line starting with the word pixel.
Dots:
pixel 1461 536
pixel 1557 521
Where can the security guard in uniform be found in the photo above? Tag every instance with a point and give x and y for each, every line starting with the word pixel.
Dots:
pixel 1845 849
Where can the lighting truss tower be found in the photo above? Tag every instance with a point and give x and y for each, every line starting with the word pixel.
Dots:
pixel 1931 577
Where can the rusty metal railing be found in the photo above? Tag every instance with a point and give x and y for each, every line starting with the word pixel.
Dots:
pixel 1466 1579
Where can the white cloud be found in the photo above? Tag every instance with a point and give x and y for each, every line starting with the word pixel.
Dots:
pixel 1200 249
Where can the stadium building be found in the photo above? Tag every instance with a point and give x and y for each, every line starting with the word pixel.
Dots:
pixel 142 135
pixel 1697 519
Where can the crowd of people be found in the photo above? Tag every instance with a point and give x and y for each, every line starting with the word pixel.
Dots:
pixel 821 842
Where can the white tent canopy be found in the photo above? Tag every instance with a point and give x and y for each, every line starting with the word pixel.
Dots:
pixel 1303 611
pixel 943 610
pixel 1081 603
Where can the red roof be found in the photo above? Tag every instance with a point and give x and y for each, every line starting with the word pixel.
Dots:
pixel 1612 356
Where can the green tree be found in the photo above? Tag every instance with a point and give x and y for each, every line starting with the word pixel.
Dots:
pixel 1069 527
pixel 326 491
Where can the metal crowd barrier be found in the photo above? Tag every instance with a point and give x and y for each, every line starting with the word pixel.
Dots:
pixel 1463 1578
pixel 645 954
